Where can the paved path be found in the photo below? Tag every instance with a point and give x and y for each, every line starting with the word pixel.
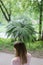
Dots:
pixel 5 59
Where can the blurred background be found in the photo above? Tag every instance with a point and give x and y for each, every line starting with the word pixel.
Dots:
pixel 22 20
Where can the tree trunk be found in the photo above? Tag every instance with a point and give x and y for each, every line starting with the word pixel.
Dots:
pixel 42 36
pixel 40 21
pixel 6 14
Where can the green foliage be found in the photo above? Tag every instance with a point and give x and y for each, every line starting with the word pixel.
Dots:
pixel 20 6
pixel 37 45
pixel 2 28
pixel 30 7
pixel 7 44
pixel 21 29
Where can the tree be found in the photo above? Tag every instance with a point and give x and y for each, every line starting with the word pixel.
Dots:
pixel 40 20
pixel 29 6
pixel 36 7
pixel 6 14
pixel 21 29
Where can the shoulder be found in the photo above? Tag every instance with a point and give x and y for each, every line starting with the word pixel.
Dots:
pixel 28 54
pixel 15 61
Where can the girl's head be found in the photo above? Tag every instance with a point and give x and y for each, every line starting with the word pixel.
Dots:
pixel 21 51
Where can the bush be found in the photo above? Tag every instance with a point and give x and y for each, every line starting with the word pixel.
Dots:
pixel 38 45
pixel 8 44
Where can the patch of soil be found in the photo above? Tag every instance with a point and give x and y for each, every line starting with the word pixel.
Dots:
pixel 38 54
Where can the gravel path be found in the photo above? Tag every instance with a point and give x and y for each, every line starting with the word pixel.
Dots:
pixel 5 59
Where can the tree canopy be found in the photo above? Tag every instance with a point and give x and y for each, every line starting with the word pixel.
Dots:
pixel 32 8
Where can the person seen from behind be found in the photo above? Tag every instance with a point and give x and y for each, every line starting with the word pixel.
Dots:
pixel 22 57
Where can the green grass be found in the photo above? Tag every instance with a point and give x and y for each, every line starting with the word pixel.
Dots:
pixel 7 44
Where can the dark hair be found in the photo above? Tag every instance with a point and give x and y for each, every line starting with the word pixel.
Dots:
pixel 21 51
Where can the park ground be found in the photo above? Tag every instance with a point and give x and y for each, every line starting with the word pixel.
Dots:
pixel 36 48
pixel 5 59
